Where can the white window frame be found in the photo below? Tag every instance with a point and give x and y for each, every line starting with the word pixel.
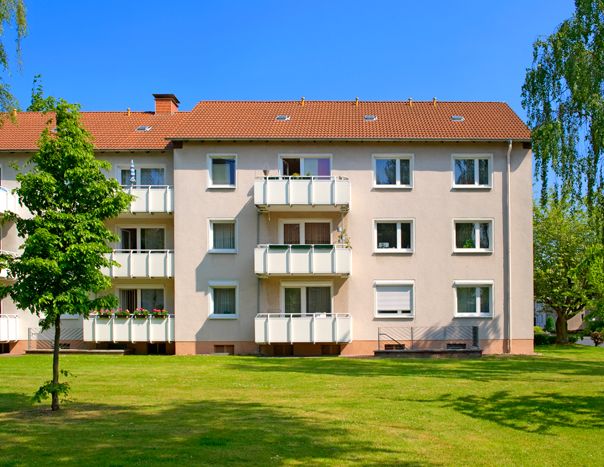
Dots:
pixel 222 220
pixel 396 250
pixel 302 222
pixel 474 157
pixel 474 283
pixel 300 156
pixel 303 286
pixel 138 288
pixel 138 228
pixel 138 168
pixel 387 283
pixel 222 285
pixel 475 221
pixel 398 158
pixel 213 156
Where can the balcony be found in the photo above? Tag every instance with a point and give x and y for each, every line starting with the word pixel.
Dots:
pixel 141 263
pixel 326 260
pixel 272 328
pixel 4 272
pixel 100 329
pixel 151 199
pixel 8 201
pixel 9 328
pixel 302 193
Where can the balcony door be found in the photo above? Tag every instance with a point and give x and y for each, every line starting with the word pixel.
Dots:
pixel 147 238
pixel 150 299
pixel 305 166
pixel 306 299
pixel 306 233
pixel 144 176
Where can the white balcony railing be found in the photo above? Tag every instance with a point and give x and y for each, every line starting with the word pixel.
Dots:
pixel 314 328
pixel 99 329
pixel 151 198
pixel 8 201
pixel 302 259
pixel 320 193
pixel 9 328
pixel 141 263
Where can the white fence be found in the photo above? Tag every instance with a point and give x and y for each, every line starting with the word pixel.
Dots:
pixel 319 192
pixel 9 328
pixel 99 329
pixel 151 198
pixel 302 259
pixel 298 328
pixel 141 263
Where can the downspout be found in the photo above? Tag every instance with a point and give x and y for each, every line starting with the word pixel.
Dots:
pixel 508 312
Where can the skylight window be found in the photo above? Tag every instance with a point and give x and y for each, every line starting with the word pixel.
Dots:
pixel 457 118
pixel 143 128
pixel 282 118
pixel 370 118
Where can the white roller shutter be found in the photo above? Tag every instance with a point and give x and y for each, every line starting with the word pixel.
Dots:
pixel 394 298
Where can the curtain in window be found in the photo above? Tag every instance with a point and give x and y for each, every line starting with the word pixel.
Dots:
pixel 125 177
pixel 318 300
pixel 152 176
pixel 224 300
pixel 152 299
pixel 224 235
pixel 405 171
pixel 291 234
pixel 466 299
pixel 484 235
pixel 483 171
pixel 464 235
pixel 152 239
pixel 464 171
pixel 223 171
pixel 485 299
pixel 293 300
pixel 128 299
pixel 317 233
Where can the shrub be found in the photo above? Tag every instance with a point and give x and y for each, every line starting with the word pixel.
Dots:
pixel 544 339
pixel 538 330
pixel 550 324
pixel 597 337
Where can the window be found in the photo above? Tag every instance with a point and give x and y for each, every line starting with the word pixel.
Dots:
pixel 148 238
pixel 473 236
pixel 393 236
pixel 473 299
pixel 223 236
pixel 393 171
pixel 222 170
pixel 150 299
pixel 297 232
pixel 472 171
pixel 143 176
pixel 308 166
pixel 394 299
pixel 306 299
pixel 223 300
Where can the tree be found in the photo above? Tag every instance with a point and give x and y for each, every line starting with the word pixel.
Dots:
pixel 39 103
pixel 11 12
pixel 569 263
pixel 65 238
pixel 563 94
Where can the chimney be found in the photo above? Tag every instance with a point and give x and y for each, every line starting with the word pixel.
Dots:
pixel 166 103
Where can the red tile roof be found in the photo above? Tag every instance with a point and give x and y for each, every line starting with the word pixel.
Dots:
pixel 342 120
pixel 110 130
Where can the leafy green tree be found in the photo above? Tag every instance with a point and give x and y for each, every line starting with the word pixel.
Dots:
pixel 11 12
pixel 39 103
pixel 65 238
pixel 569 263
pixel 563 94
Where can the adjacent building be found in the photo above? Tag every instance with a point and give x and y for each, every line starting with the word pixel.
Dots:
pixel 308 227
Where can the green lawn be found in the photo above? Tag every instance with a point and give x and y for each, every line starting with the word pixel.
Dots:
pixel 544 410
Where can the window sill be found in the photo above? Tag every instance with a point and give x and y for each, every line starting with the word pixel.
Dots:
pixel 393 187
pixel 485 316
pixel 222 187
pixel 223 252
pixel 472 187
pixel 393 316
pixel 392 251
pixel 218 316
pixel 472 251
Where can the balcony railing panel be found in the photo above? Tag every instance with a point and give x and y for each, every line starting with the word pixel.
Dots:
pixel 141 263
pixel 272 328
pixel 9 328
pixel 99 329
pixel 151 198
pixel 277 193
pixel 302 259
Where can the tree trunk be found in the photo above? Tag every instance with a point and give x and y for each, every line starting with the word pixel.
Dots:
pixel 55 364
pixel 561 328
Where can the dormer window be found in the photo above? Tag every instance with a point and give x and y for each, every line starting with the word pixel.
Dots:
pixel 143 128
pixel 282 118
pixel 370 118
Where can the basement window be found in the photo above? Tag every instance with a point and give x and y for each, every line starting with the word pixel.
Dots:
pixel 282 118
pixel 143 128
pixel 370 118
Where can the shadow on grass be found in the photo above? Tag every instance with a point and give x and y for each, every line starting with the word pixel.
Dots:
pixel 485 369
pixel 194 433
pixel 537 413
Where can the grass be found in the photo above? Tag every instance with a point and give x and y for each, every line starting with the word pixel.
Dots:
pixel 141 410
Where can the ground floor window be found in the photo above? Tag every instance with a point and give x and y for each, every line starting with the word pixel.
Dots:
pixel 223 299
pixel 473 299
pixel 394 299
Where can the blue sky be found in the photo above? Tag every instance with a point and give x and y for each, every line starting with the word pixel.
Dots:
pixel 112 55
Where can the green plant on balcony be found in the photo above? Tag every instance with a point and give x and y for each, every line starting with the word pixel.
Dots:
pixel 344 239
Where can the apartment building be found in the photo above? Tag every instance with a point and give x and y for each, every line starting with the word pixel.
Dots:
pixel 310 227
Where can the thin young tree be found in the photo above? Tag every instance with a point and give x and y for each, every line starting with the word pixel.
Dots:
pixel 69 198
